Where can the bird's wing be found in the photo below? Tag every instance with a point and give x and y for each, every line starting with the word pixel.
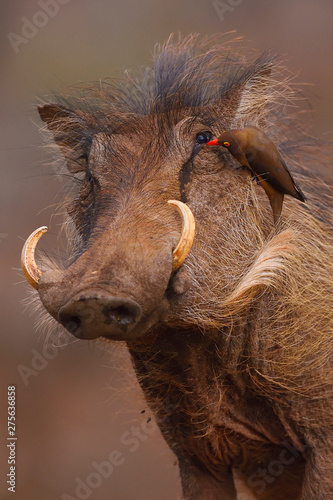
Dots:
pixel 272 168
pixel 300 193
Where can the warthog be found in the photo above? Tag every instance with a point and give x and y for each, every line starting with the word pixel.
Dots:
pixel 229 324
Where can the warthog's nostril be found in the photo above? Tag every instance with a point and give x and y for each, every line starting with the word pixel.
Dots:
pixel 99 315
pixel 121 315
pixel 70 321
pixel 72 324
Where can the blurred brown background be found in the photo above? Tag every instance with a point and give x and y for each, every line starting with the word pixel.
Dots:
pixel 78 403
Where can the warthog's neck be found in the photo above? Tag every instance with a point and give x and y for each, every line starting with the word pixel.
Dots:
pixel 202 391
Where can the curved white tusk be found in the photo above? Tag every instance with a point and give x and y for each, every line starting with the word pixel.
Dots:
pixel 28 263
pixel 188 230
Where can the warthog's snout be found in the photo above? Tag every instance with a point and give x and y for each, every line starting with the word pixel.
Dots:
pixel 109 316
pixel 119 293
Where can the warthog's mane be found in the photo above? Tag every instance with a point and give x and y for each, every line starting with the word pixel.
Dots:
pixel 187 77
pixel 188 73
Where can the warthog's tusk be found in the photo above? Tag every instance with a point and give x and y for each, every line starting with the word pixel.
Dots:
pixel 32 273
pixel 188 230
pixel 28 263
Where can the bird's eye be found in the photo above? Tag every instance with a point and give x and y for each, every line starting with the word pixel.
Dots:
pixel 226 143
pixel 203 137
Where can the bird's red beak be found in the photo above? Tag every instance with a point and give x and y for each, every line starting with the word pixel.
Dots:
pixel 214 142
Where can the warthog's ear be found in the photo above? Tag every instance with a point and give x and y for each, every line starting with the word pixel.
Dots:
pixel 72 131
pixel 254 97
pixel 245 98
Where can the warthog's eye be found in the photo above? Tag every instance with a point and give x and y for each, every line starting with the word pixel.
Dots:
pixel 203 137
pixel 200 139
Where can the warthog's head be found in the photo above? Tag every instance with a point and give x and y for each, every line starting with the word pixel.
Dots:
pixel 132 241
pixel 132 149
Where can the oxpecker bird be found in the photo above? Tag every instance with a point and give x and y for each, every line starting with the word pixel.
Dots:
pixel 254 150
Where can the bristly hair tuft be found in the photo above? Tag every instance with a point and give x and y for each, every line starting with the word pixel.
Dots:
pixel 186 74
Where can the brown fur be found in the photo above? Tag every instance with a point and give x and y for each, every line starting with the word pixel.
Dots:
pixel 235 350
